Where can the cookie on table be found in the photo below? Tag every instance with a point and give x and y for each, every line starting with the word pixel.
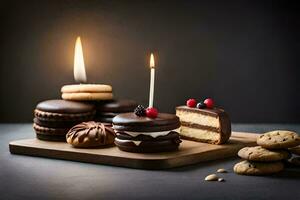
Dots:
pixel 278 139
pixel 257 168
pixel 261 154
pixel 87 92
pixel 295 150
pixel 53 118
pixel 90 135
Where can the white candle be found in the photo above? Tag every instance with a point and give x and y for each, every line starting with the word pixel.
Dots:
pixel 152 78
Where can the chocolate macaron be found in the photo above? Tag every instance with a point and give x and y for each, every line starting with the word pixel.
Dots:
pixel 53 118
pixel 107 110
pixel 142 134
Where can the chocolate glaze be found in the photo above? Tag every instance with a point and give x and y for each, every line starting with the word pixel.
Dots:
pixel 116 106
pixel 131 122
pixel 66 107
pixel 98 134
pixel 149 146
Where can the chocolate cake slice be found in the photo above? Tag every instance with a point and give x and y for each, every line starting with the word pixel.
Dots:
pixel 204 125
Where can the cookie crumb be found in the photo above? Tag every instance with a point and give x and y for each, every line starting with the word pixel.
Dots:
pixel 222 170
pixel 211 177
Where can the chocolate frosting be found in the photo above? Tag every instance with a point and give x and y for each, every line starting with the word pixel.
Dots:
pixel 63 106
pixel 132 122
pixel 90 134
pixel 117 106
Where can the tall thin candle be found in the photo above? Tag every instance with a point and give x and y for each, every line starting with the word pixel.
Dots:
pixel 152 79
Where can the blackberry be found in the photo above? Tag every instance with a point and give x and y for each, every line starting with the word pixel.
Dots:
pixel 201 105
pixel 140 111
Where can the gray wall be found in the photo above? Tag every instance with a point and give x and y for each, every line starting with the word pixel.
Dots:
pixel 244 54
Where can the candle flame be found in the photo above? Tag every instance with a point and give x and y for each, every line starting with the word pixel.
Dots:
pixel 79 68
pixel 152 62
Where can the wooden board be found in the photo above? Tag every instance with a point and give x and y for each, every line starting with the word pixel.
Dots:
pixel 190 152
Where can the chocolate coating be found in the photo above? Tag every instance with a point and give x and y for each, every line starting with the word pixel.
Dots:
pixel 66 107
pixel 149 146
pixel 132 122
pixel 116 106
pixel 90 134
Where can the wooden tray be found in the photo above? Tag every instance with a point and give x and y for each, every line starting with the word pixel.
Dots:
pixel 190 152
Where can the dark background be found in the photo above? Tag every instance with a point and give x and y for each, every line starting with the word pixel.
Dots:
pixel 244 54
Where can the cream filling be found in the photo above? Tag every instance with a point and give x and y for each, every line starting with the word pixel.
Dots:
pixel 197 118
pixel 152 134
pixel 199 133
pixel 136 142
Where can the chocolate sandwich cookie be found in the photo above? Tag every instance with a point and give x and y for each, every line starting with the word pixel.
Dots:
pixel 107 110
pixel 142 134
pixel 53 118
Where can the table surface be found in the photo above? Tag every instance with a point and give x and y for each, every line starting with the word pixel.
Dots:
pixel 25 177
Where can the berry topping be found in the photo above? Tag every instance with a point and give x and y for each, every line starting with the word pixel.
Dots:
pixel 201 105
pixel 209 103
pixel 151 112
pixel 140 111
pixel 191 103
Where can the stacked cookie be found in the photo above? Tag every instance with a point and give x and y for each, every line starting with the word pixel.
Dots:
pixel 87 92
pixel 54 118
pixel 267 158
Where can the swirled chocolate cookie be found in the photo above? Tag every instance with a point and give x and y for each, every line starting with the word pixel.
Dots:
pixel 90 134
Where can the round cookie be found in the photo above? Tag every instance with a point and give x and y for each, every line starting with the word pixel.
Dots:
pixel 90 134
pixel 262 155
pixel 279 139
pixel 54 118
pixel 87 96
pixel 295 150
pixel 89 88
pixel 257 168
pixel 117 106
pixel 107 110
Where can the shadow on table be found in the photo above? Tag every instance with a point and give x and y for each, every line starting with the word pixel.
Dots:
pixel 288 173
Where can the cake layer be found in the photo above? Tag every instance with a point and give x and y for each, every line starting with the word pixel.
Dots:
pixel 200 135
pixel 197 118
